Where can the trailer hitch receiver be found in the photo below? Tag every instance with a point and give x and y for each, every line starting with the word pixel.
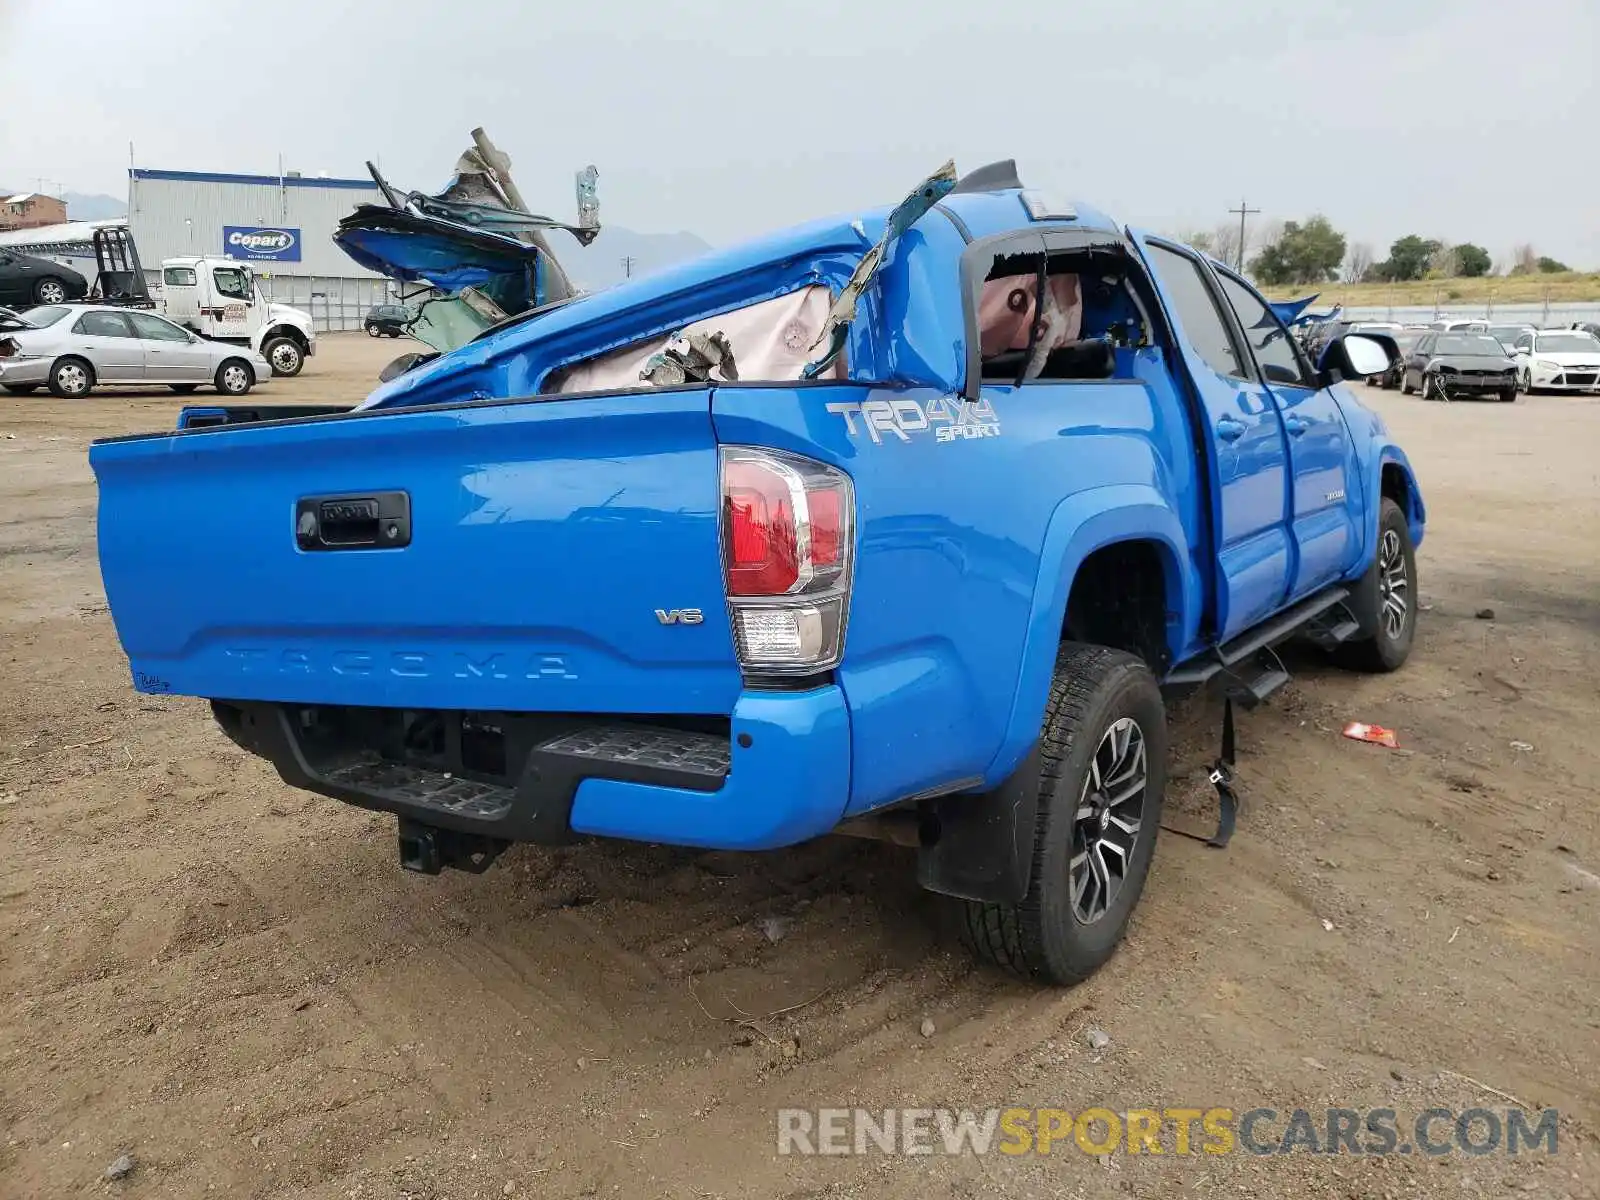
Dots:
pixel 428 849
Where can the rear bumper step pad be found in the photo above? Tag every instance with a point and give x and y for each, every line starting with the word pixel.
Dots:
pixel 525 780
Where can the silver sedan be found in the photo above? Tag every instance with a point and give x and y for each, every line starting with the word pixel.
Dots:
pixel 73 348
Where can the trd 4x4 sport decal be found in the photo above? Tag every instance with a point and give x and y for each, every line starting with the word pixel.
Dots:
pixel 949 419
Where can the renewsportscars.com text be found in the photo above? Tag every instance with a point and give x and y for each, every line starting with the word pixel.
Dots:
pixel 1177 1131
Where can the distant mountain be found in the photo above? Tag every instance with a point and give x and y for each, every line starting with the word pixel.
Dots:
pixel 93 207
pixel 600 264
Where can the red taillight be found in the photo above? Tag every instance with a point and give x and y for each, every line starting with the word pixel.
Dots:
pixel 763 557
pixel 825 526
pixel 787 543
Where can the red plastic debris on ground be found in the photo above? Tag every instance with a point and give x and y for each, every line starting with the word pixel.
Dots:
pixel 1360 732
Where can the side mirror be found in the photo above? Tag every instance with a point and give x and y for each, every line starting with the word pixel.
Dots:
pixel 403 364
pixel 1356 355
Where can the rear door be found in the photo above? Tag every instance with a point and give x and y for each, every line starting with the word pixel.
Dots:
pixel 1249 462
pixel 106 340
pixel 1319 443
pixel 170 355
pixel 534 542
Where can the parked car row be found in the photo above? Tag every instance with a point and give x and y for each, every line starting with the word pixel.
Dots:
pixel 1454 358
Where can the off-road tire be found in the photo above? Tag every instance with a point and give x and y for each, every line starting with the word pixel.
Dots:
pixel 62 380
pixel 1041 937
pixel 1376 648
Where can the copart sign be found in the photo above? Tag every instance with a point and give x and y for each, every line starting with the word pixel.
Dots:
pixel 260 243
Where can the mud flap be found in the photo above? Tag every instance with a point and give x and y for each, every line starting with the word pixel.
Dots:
pixel 984 850
pixel 1222 779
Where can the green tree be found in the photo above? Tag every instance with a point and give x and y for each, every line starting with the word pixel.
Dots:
pixel 1472 261
pixel 1309 253
pixel 1551 266
pixel 1409 258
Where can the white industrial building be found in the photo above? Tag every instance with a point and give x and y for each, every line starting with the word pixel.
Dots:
pixel 282 224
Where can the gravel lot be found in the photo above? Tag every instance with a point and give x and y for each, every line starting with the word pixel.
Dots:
pixel 235 983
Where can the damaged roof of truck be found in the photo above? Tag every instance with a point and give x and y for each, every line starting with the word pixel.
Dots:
pixel 833 250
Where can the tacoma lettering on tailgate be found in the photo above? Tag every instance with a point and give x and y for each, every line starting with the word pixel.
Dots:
pixel 403 664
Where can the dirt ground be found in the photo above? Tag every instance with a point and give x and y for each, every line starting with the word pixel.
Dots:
pixel 235 982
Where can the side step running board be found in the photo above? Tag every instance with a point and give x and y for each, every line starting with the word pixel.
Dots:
pixel 1286 624
pixel 1255 671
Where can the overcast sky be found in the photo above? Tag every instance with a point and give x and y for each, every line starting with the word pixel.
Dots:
pixel 1471 120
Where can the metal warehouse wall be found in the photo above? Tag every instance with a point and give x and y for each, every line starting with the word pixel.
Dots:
pixel 159 202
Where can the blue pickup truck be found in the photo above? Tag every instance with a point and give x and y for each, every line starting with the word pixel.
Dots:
pixel 898 524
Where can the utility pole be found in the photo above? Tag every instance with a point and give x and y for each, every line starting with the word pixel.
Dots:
pixel 627 265
pixel 1243 210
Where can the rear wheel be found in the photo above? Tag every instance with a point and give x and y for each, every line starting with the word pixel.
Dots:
pixel 50 290
pixel 234 377
pixel 71 378
pixel 1384 600
pixel 284 354
pixel 1104 756
pixel 1405 383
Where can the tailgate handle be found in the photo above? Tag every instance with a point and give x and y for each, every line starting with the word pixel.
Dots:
pixel 362 521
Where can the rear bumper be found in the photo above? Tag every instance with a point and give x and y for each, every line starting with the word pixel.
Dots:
pixel 780 774
pixel 21 371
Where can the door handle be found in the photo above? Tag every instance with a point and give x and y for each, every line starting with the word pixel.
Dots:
pixel 371 521
pixel 1295 425
pixel 1230 429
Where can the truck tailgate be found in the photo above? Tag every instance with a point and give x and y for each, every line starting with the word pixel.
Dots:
pixel 541 539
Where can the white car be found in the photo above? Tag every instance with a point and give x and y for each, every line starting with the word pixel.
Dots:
pixel 1562 360
pixel 74 348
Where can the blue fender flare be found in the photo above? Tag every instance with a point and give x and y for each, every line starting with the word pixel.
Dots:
pixel 1081 524
pixel 1383 454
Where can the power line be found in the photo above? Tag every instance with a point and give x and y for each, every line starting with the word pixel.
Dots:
pixel 627 266
pixel 1243 210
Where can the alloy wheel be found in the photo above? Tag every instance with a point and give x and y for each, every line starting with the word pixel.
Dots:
pixel 1393 587
pixel 51 292
pixel 1108 819
pixel 235 379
